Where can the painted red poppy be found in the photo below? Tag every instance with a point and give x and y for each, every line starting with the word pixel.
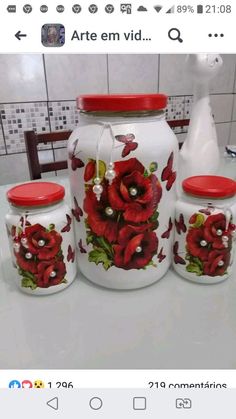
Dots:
pixel 50 273
pixel 196 243
pixel 45 244
pixel 217 263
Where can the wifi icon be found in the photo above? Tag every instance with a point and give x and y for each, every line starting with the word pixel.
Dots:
pixel 158 8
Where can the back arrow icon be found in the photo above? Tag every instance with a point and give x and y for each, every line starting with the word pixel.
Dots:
pixel 20 35
pixel 53 403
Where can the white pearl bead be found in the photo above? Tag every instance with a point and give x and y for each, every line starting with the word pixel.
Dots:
pixel 138 249
pixel 24 241
pixel 16 247
pixel 219 232
pixel 97 189
pixel 111 165
pixel 221 263
pixel 97 180
pixel 28 255
pixel 225 238
pixel 109 211
pixel 133 191
pixel 53 274
pixel 41 243
pixel 203 243
pixel 110 175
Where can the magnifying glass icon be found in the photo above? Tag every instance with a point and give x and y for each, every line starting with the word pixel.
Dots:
pixel 175 35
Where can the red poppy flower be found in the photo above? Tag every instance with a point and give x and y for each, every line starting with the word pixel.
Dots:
pixel 102 218
pixel 134 193
pixel 136 247
pixel 50 273
pixel 45 244
pixel 215 226
pixel 25 260
pixel 217 263
pixel 196 243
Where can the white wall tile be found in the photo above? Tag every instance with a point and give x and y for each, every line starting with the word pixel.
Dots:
pixel 70 75
pixel 223 133
pixel 233 134
pixel 13 168
pixel 234 109
pixel 175 80
pixel 133 73
pixel 22 78
pixel 222 106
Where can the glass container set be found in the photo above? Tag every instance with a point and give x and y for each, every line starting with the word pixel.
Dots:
pixel 126 225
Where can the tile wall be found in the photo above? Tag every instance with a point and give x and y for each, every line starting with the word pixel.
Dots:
pixel 38 92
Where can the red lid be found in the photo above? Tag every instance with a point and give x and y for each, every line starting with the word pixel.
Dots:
pixel 210 186
pixel 36 194
pixel 121 103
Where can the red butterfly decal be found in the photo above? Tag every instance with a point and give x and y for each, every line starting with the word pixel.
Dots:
pixel 27 223
pixel 81 248
pixel 70 254
pixel 168 174
pixel 179 225
pixel 160 255
pixel 166 234
pixel 130 144
pixel 76 163
pixel 68 224
pixel 77 211
pixel 177 258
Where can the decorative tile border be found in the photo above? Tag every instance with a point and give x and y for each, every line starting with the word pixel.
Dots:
pixel 63 116
pixel 2 143
pixel 20 117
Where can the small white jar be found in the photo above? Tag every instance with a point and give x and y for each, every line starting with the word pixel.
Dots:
pixel 122 164
pixel 41 237
pixel 205 229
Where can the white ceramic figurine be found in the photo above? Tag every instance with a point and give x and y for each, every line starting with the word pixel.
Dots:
pixel 200 152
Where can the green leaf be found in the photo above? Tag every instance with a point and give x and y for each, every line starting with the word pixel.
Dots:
pixel 51 227
pixel 105 245
pixel 194 268
pixel 154 217
pixel 153 166
pixel 146 174
pixel 99 255
pixel 28 283
pixel 151 263
pixel 199 221
pixel 26 274
pixel 102 169
pixel 90 238
pixel 198 262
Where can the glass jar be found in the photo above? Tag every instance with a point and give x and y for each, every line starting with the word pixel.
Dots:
pixel 41 237
pixel 122 163
pixel 205 229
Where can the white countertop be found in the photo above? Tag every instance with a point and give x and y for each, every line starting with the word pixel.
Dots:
pixel 171 324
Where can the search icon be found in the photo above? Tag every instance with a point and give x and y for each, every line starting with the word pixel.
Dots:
pixel 175 35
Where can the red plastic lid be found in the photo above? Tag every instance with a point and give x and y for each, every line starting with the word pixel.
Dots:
pixel 121 103
pixel 36 194
pixel 210 186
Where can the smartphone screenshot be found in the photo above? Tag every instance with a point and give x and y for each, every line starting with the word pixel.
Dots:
pixel 117 209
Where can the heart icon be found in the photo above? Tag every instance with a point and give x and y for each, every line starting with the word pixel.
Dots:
pixel 27 384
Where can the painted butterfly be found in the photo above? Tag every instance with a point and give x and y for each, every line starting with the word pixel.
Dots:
pixel 168 174
pixel 70 254
pixel 130 144
pixel 160 255
pixel 68 224
pixel 81 248
pixel 77 211
pixel 22 221
pixel 179 225
pixel 166 234
pixel 177 258
pixel 76 163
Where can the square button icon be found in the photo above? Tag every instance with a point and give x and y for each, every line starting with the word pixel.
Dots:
pixel 139 403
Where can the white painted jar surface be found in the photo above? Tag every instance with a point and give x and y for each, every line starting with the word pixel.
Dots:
pixel 122 163
pixel 41 238
pixel 205 230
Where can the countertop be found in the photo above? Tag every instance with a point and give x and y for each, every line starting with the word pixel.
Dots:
pixel 171 324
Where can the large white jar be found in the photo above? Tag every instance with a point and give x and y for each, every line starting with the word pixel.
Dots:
pixel 122 165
